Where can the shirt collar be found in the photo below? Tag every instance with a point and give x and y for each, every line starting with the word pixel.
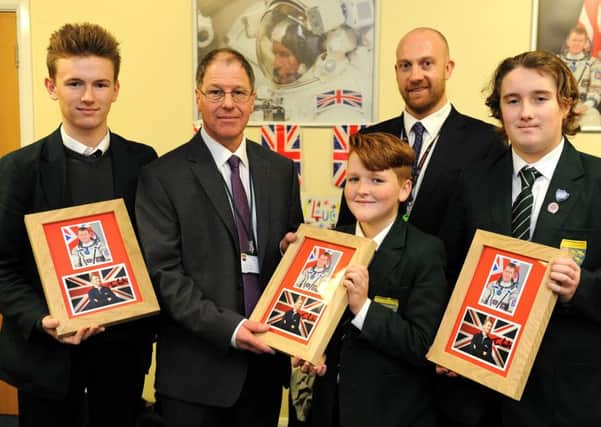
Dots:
pixel 220 153
pixel 545 165
pixel 378 238
pixel 74 145
pixel 432 123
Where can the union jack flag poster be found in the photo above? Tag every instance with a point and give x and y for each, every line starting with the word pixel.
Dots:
pixel 97 289
pixel 340 148
pixel 345 97
pixel 309 312
pixel 284 140
pixel 486 338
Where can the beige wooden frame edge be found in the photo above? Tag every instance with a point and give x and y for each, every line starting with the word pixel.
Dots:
pixel 364 250
pixel 35 229
pixel 514 383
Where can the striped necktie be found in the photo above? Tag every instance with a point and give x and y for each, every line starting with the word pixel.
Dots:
pixel 521 211
pixel 418 130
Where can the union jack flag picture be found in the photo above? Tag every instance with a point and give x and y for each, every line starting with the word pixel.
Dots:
pixel 284 140
pixel 345 97
pixel 97 289
pixel 486 338
pixel 340 149
pixel 296 314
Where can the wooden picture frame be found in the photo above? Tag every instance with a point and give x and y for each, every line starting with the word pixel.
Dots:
pixel 309 277
pixel 491 331
pixel 90 265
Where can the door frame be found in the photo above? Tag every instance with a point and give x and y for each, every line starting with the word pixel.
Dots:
pixel 21 7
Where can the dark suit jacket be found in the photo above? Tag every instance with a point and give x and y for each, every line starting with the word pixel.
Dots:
pixel 34 179
pixel 463 141
pixel 290 321
pixel 481 346
pixel 563 388
pixel 100 297
pixel 191 245
pixel 384 378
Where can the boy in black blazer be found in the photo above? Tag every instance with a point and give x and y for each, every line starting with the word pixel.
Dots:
pixel 81 162
pixel 535 97
pixel 375 371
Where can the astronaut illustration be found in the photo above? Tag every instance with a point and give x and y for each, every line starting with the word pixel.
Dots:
pixel 89 250
pixel 587 71
pixel 312 59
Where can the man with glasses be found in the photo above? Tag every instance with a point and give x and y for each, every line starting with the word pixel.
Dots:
pixel 211 215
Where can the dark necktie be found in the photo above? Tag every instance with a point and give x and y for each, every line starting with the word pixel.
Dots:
pixel 250 281
pixel 96 154
pixel 521 211
pixel 418 130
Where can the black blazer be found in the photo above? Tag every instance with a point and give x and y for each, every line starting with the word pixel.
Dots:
pixel 34 179
pixel 384 378
pixel 563 387
pixel 191 245
pixel 463 141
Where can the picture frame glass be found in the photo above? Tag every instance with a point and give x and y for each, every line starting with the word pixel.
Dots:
pixel 91 264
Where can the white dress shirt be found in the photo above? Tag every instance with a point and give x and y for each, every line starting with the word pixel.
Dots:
pixel 74 145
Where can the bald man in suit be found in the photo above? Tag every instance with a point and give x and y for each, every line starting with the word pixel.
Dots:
pixel 451 141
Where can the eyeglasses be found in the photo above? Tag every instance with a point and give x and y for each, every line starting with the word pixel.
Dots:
pixel 239 96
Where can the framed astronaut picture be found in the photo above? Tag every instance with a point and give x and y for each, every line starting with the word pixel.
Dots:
pixel 304 300
pixel 498 313
pixel 571 28
pixel 314 62
pixel 90 265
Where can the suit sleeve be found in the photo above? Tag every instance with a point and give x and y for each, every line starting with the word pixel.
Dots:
pixel 587 299
pixel 296 211
pixel 180 297
pixel 18 298
pixel 409 334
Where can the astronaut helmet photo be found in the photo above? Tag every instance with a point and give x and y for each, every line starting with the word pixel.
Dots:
pixel 287 48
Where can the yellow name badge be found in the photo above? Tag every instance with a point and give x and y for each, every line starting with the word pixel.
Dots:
pixel 576 248
pixel 391 303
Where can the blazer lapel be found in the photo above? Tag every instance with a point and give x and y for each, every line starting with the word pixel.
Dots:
pixel 499 200
pixel 210 179
pixel 566 180
pixel 388 255
pixel 444 155
pixel 260 171
pixel 123 173
pixel 53 173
